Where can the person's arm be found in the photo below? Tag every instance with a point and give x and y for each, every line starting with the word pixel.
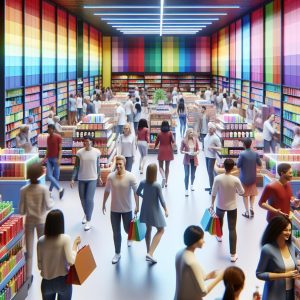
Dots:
pixel 49 202
pixel 239 188
pixel 106 194
pixel 119 145
pixel 39 255
pixel 134 186
pixel 217 143
pixel 140 189
pixel 258 160
pixel 59 152
pixel 70 252
pixel 182 147
pixel 22 202
pixel 270 127
pixel 239 163
pixel 133 145
pixel 75 170
pixel 156 141
pixel 162 200
pixel 147 136
pixel 99 169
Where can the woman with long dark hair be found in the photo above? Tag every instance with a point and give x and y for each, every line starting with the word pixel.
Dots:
pixel 277 264
pixel 142 142
pixel 137 113
pixel 234 280
pixel 181 110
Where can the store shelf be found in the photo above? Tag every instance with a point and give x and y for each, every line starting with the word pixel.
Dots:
pixel 11 243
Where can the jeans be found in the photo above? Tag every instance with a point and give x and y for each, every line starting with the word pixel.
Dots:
pixel 201 138
pixel 135 124
pixel 79 113
pixel 182 120
pixel 53 172
pixel 210 164
pixel 129 163
pixel 187 173
pixel 87 189
pixel 29 239
pixel 268 145
pixel 231 219
pixel 290 295
pixel 56 286
pixel 115 218
pixel 119 130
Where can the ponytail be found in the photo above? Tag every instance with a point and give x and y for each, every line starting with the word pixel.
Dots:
pixel 229 292
pixel 234 279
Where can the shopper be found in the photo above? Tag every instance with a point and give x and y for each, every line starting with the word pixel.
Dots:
pixel 137 113
pixel 55 254
pixel 202 125
pixel 226 186
pixel 181 110
pixel 72 110
pixel 190 149
pixel 51 115
pixel 250 114
pixel 58 128
pixel 90 108
pixel 53 158
pixel 190 277
pixel 234 281
pixel 126 146
pixel 219 102
pixel 296 140
pixel 120 118
pixel 23 139
pixel 208 94
pixel 142 142
pixel 34 204
pixel 277 196
pixel 136 93
pixel 165 140
pixel 97 104
pixel 129 109
pixel 269 130
pixel 247 162
pixel 87 168
pixel 212 144
pixel 120 184
pixel 234 108
pixel 277 265
pixel 151 214
pixel 174 97
pixel 225 107
pixel 79 105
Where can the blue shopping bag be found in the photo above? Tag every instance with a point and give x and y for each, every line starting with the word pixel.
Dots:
pixel 140 230
pixel 206 219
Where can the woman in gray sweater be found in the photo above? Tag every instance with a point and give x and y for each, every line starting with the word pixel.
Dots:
pixel 151 214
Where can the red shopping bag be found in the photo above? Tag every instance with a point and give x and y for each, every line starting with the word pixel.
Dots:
pixel 131 232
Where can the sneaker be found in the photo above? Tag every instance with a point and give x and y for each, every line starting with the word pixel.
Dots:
pixel 251 213
pixel 186 193
pixel 233 258
pixel 192 188
pixel 61 193
pixel 163 182
pixel 129 243
pixel 116 258
pixel 84 220
pixel 246 214
pixel 150 259
pixel 166 184
pixel 87 226
pixel 219 239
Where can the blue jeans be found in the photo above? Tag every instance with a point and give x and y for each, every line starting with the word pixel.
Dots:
pixel 79 113
pixel 182 120
pixel 53 172
pixel 201 138
pixel 268 145
pixel 129 163
pixel 115 218
pixel 119 130
pixel 56 286
pixel 210 164
pixel 87 189
pixel 187 173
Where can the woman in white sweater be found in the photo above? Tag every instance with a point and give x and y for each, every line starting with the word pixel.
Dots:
pixel 190 277
pixel 55 255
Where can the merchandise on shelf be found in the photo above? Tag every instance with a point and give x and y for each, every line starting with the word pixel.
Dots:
pixel 214 84
pixel 108 108
pixel 119 83
pixel 48 101
pixel 245 94
pixel 152 82
pixel 86 87
pixel 202 82
pixel 257 94
pixel 62 99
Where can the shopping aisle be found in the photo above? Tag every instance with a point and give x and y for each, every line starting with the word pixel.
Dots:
pixel 133 278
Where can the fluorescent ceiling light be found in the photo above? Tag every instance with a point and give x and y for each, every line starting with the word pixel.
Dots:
pixel 130 19
pixel 154 33
pixel 154 27
pixel 179 25
pixel 190 19
pixel 187 23
pixel 196 14
pixel 157 23
pixel 134 26
pixel 161 16
pixel 202 6
pixel 156 14
pixel 120 6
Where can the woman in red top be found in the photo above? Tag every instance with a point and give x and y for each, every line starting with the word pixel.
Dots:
pixel 165 140
pixel 142 142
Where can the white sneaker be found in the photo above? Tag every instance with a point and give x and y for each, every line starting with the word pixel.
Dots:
pixel 87 226
pixel 129 243
pixel 116 258
pixel 192 188
pixel 233 258
pixel 163 182
pixel 219 239
pixel 186 193
pixel 151 259
pixel 84 220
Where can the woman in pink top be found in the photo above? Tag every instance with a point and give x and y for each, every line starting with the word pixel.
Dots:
pixel 142 142
pixel 165 140
pixel 190 149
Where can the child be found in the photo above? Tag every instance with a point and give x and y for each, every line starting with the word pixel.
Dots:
pixel 34 204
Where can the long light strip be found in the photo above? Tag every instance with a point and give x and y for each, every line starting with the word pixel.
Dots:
pixel 157 26
pixel 161 17
pixel 196 14
pixel 157 23
pixel 155 7
pixel 154 33
pixel 157 19
pixel 201 6
pixel 156 14
pixel 155 30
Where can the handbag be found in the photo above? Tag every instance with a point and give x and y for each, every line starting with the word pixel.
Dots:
pixel 137 230
pixel 83 267
pixel 210 222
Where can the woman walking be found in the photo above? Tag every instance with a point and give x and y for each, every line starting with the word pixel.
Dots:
pixel 55 255
pixel 190 149
pixel 137 113
pixel 72 110
pixel 126 146
pixel 181 110
pixel 165 140
pixel 142 142
pixel 79 105
pixel 151 214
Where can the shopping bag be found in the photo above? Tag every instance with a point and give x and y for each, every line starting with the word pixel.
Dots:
pixel 140 229
pixel 211 223
pixel 83 267
pixel 206 219
pixel 218 228
pixel 132 232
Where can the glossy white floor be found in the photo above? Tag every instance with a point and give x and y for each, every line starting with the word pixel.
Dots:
pixel 133 278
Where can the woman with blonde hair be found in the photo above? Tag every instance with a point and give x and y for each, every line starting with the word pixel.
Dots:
pixel 151 214
pixel 23 139
pixel 190 149
pixel 126 146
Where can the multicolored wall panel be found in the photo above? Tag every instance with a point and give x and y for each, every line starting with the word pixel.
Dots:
pixel 232 50
pixel 152 54
pixel 291 50
pixel 62 45
pixel 223 52
pixel 238 49
pixel 246 47
pixel 214 54
pixel 273 41
pixel 32 42
pixel 135 54
pixel 119 60
pixel 170 54
pixel 13 44
pixel 72 46
pixel 85 50
pixel 257 45
pixel 100 53
pixel 203 56
pixel 94 52
pixel 48 43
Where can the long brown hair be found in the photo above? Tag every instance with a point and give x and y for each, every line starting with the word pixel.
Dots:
pixel 151 173
pixel 234 279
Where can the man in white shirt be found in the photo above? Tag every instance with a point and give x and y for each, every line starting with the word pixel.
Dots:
pixel 268 134
pixel 207 95
pixel 120 118
pixel 136 92
pixel 129 109
pixel 120 184
pixel 212 144
pixel 226 186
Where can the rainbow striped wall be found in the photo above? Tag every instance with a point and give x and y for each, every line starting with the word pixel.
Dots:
pixel 13 44
pixel 223 52
pixel 214 53
pixel 94 52
pixel 257 45
pixel 32 42
pixel 48 43
pixel 100 53
pixel 291 54
pixel 72 35
pixel 153 54
pixel 238 49
pixel 246 48
pixel 85 50
pixel 232 50
pixel 273 42
pixel 62 45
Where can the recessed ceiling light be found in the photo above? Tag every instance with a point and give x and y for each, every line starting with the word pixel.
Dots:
pixel 161 16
